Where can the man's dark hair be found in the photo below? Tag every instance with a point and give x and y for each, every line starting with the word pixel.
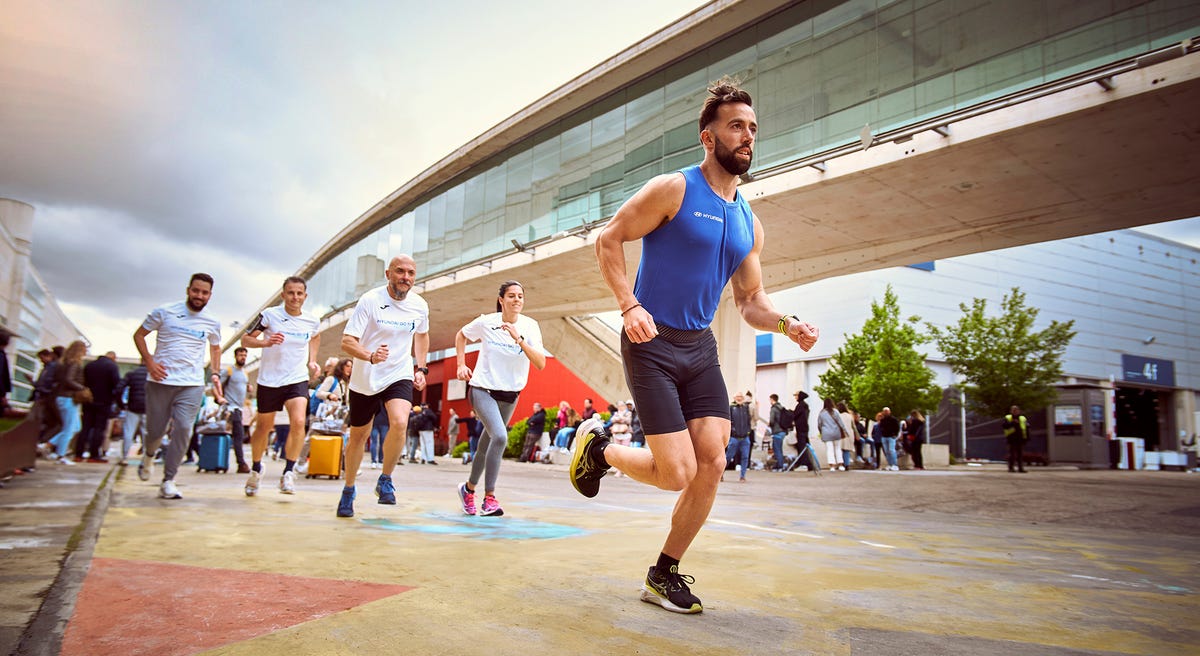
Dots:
pixel 204 277
pixel 240 349
pixel 723 91
pixel 291 279
pixel 58 350
pixel 44 352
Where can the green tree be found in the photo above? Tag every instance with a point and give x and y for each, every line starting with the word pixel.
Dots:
pixel 880 366
pixel 1002 360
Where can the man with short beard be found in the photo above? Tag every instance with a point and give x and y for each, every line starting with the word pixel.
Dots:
pixel 175 388
pixel 388 337
pixel 697 234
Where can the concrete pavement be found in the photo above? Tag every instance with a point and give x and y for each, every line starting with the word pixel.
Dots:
pixel 960 561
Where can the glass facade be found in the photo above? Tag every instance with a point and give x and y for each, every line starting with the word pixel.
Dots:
pixel 817 72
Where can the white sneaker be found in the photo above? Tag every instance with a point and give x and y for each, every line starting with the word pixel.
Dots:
pixel 169 491
pixel 146 469
pixel 841 468
pixel 301 467
pixel 252 483
pixel 287 483
pixel 894 468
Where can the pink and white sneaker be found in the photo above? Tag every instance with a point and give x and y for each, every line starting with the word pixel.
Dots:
pixel 491 507
pixel 468 499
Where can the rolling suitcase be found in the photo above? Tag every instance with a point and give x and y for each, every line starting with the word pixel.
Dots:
pixel 214 452
pixel 324 456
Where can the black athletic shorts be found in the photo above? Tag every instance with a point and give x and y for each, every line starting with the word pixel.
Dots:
pixel 363 407
pixel 271 399
pixel 673 378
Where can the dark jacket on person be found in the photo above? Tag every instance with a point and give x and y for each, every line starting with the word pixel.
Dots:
pixel 425 420
pixel 45 384
pixel 102 377
pixel 739 420
pixel 800 416
pixel 889 426
pixel 915 430
pixel 68 378
pixel 537 422
pixel 134 383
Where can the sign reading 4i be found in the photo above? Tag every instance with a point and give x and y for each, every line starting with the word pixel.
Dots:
pixel 1151 371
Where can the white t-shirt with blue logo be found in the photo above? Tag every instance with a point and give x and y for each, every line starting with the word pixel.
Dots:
pixel 180 342
pixel 502 363
pixel 380 319
pixel 287 363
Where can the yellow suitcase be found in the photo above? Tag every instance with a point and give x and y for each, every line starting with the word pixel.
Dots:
pixel 324 456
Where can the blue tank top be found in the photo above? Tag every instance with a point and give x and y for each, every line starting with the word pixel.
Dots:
pixel 687 262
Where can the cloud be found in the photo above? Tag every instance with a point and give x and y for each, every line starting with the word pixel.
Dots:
pixel 157 139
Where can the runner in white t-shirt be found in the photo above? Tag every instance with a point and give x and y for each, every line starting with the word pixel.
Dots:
pixel 175 383
pixel 289 339
pixel 510 341
pixel 389 328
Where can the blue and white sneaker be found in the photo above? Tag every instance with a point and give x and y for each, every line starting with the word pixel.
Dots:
pixel 346 505
pixel 385 490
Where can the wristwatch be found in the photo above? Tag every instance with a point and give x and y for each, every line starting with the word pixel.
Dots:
pixel 424 370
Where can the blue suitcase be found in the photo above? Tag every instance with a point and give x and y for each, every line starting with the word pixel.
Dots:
pixel 214 453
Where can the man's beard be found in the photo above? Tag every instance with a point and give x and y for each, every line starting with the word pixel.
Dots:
pixel 396 292
pixel 728 159
pixel 196 305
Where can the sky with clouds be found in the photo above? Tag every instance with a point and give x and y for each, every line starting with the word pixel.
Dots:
pixel 156 139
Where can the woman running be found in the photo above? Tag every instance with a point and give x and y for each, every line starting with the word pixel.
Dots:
pixel 509 342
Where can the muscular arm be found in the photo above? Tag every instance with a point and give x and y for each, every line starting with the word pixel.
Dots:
pixel 653 205
pixel 420 358
pixel 214 357
pixel 314 345
pixel 353 348
pixel 754 304
pixel 154 370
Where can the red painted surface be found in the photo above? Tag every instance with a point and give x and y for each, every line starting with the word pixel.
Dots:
pixel 549 386
pixel 130 607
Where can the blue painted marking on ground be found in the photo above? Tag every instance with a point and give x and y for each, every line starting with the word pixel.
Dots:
pixel 505 528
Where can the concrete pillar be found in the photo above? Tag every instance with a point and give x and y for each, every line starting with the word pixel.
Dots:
pixel 735 343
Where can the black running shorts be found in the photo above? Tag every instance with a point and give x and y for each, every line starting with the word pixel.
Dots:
pixel 363 407
pixel 271 399
pixel 673 378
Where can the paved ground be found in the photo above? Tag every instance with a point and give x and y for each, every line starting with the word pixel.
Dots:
pixel 963 561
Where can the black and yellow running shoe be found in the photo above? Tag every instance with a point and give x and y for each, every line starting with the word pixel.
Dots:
pixel 585 471
pixel 670 590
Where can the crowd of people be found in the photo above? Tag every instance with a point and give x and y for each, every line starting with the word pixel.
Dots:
pixel 850 440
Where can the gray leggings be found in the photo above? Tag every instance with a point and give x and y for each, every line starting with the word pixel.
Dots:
pixel 495 416
pixel 179 405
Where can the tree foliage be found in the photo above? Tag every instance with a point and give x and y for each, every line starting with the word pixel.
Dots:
pixel 1002 360
pixel 881 366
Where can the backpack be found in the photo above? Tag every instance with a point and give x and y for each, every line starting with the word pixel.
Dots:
pixel 787 418
pixel 314 403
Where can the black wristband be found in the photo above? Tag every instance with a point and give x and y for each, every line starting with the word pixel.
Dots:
pixel 423 370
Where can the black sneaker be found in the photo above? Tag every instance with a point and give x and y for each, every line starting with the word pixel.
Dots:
pixel 585 471
pixel 670 590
